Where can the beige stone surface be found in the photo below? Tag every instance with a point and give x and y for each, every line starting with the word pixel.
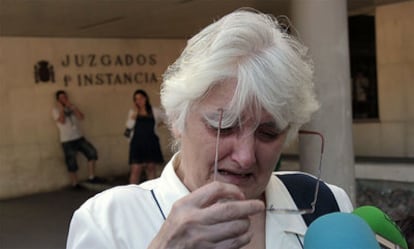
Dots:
pixel 393 80
pixel 367 139
pixel 393 135
pixel 31 158
pixel 409 143
pixel 394 33
pixel 392 143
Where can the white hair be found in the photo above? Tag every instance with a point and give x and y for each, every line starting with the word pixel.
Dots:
pixel 271 68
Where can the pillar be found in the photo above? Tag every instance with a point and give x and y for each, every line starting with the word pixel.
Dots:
pixel 323 26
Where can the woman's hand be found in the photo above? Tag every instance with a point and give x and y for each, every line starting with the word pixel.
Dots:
pixel 214 216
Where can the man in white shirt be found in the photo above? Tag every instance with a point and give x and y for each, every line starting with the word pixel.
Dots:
pixel 67 117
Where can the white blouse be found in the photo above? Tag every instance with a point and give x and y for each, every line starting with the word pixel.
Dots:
pixel 130 216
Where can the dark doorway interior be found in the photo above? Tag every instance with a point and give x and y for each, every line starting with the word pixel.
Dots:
pixel 363 67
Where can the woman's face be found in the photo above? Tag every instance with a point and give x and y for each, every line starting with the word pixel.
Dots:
pixel 140 100
pixel 247 153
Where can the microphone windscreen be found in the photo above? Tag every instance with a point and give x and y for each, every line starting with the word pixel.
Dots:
pixel 382 224
pixel 340 231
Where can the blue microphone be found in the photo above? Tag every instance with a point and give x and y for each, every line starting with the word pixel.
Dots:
pixel 340 231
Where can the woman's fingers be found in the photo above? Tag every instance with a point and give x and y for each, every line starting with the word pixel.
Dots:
pixel 229 243
pixel 235 242
pixel 214 216
pixel 231 210
pixel 212 193
pixel 192 234
pixel 224 231
pixel 215 203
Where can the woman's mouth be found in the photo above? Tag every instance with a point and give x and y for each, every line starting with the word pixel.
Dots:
pixel 233 177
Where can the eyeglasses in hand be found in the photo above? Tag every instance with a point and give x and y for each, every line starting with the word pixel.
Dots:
pixel 271 208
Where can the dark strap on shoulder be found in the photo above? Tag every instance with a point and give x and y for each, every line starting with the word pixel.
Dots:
pixel 302 187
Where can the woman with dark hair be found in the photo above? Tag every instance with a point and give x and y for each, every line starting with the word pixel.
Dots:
pixel 144 149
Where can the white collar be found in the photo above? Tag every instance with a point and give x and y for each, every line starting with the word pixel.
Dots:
pixel 279 197
pixel 171 188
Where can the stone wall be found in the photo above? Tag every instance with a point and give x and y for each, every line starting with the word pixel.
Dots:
pixel 100 76
pixel 393 135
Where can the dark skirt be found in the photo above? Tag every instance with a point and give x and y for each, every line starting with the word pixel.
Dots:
pixel 145 146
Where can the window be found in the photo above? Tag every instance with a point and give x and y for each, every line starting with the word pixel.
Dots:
pixel 363 67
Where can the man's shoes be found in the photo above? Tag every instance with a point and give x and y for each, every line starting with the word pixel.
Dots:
pixel 96 180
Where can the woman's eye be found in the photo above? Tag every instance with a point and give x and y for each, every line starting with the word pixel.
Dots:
pixel 227 130
pixel 223 130
pixel 267 134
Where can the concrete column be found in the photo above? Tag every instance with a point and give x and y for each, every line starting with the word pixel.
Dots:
pixel 323 26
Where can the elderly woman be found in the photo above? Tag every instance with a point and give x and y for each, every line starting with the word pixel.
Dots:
pixel 238 93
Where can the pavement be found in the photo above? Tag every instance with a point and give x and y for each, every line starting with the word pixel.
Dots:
pixel 41 221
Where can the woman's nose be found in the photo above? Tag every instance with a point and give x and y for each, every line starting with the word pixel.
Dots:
pixel 244 152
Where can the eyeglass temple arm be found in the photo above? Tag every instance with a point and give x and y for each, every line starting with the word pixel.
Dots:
pixel 217 144
pixel 307 132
